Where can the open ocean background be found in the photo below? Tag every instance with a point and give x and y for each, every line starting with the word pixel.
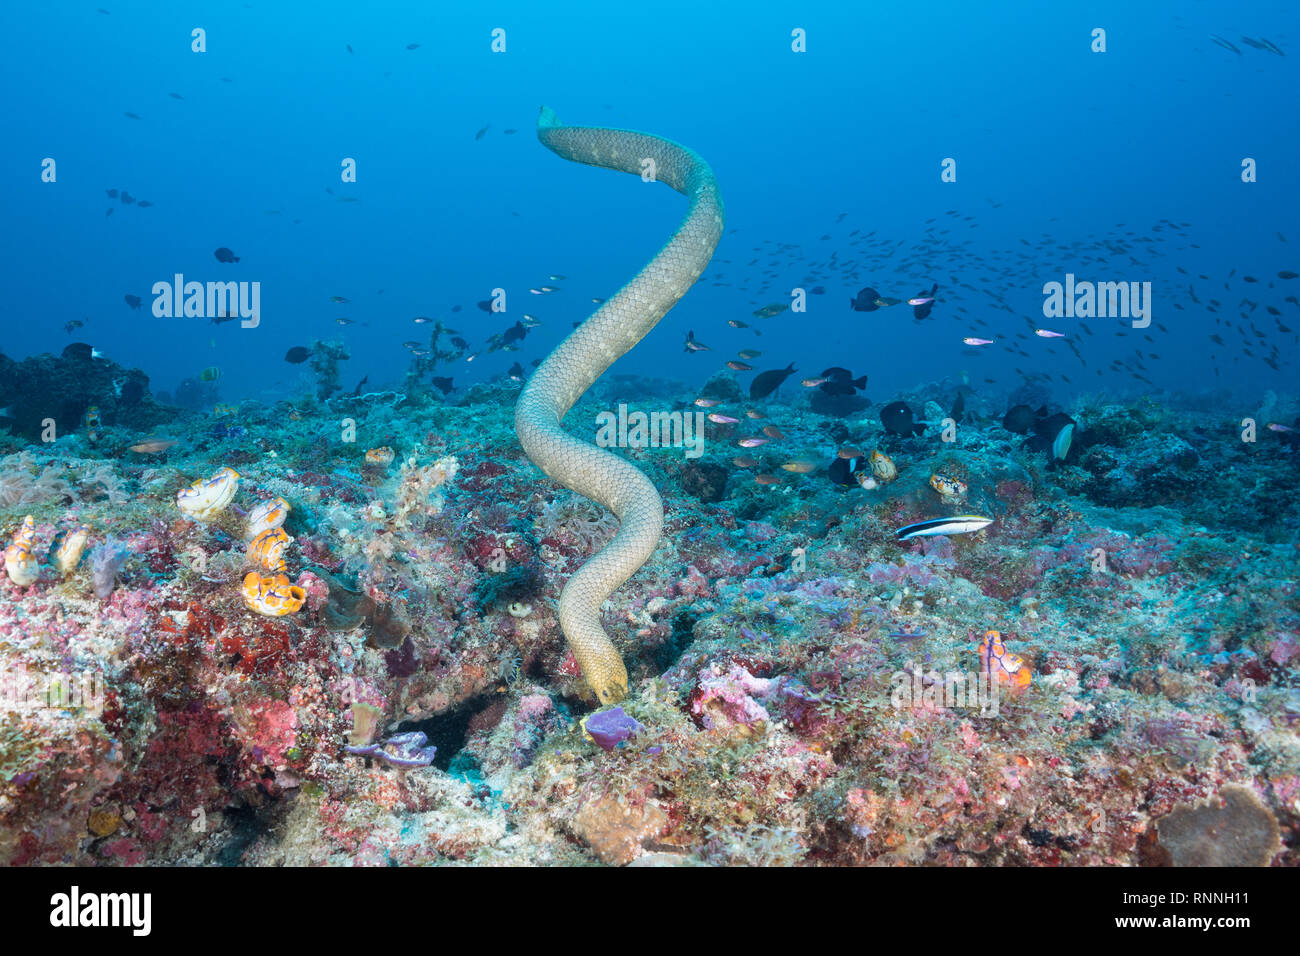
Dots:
pixel 1056 147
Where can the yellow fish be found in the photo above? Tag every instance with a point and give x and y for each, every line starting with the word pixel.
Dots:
pixel 801 466
pixel 153 446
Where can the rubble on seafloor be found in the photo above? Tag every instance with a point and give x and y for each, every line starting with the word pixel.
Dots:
pixel 796 673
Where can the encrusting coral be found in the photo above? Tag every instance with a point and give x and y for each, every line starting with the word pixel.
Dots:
pixel 1233 829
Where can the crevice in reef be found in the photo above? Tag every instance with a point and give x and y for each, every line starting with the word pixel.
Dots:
pixel 245 825
pixel 670 651
pixel 449 730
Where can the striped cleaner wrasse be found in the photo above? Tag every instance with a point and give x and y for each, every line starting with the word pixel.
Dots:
pixel 956 524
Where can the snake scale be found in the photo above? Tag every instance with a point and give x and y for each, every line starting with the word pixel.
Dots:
pixel 612 330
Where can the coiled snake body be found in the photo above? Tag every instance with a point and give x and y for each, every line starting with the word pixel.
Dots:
pixel 613 329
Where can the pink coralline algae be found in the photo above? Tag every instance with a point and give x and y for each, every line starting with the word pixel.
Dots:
pixel 269 727
pixel 318 592
pixel 1284 648
pixel 128 851
pixel 912 569
pixel 726 697
pixel 1113 551
pixel 693 584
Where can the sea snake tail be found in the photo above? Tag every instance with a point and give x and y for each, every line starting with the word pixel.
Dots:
pixel 613 329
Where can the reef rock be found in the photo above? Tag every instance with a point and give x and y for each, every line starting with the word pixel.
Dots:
pixel 1241 832
pixel 614 830
pixel 62 388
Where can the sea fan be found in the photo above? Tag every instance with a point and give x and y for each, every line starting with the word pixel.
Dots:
pixel 12 486
pixel 50 486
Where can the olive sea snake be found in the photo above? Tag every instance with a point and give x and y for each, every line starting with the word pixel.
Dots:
pixel 583 357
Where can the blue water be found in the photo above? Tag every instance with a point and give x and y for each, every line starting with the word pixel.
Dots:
pixel 1055 145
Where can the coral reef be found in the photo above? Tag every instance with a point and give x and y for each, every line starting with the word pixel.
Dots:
pixel 325 358
pixel 59 389
pixel 804 689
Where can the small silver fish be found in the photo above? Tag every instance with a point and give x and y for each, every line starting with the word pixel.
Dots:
pixel 153 446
